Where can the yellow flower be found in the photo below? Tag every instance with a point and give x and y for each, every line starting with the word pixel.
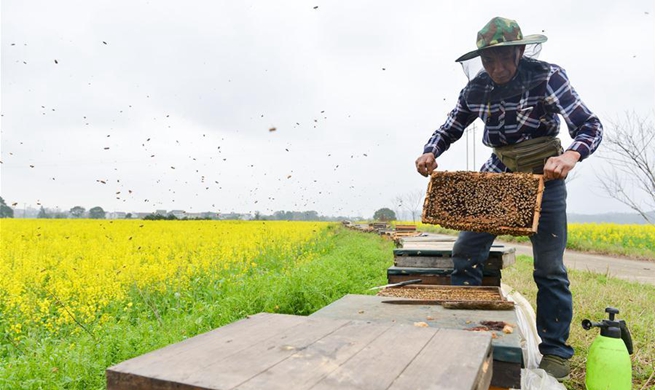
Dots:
pixel 56 273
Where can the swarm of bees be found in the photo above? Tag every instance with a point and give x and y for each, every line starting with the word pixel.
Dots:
pixel 496 203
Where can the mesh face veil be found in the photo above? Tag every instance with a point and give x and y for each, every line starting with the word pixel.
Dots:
pixel 529 74
pixel 473 67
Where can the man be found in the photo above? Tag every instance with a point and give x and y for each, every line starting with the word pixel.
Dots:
pixel 518 98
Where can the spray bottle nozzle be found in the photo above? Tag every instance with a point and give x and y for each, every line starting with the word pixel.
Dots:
pixel 612 312
pixel 586 324
pixel 612 328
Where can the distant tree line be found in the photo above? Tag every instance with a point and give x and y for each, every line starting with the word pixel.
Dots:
pixel 99 213
pixel 5 211
pixel 171 217
pixel 310 215
pixel 96 212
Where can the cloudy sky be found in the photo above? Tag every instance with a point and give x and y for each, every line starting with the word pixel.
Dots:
pixel 142 105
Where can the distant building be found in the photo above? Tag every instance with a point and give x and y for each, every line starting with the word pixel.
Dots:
pixel 231 216
pixel 179 214
pixel 209 214
pixel 116 215
pixel 202 215
pixel 29 212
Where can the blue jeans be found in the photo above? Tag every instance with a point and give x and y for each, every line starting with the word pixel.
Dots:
pixel 554 300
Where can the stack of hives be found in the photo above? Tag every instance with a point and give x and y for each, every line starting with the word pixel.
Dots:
pixel 403 231
pixel 433 264
pixel 380 225
pixel 497 203
pixel 362 227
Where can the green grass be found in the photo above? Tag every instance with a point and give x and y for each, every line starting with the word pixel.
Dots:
pixel 593 292
pixel 350 263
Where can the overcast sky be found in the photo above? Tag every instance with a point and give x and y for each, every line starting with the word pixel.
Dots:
pixel 143 105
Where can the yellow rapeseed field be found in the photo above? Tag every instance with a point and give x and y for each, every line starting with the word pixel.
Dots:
pixel 613 234
pixel 55 273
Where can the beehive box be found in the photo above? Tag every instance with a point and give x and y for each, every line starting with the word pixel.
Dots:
pixel 496 203
pixel 445 293
pixel 451 297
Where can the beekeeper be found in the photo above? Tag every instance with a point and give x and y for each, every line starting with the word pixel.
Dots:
pixel 518 98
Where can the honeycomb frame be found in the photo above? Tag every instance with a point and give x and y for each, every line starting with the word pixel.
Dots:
pixel 496 203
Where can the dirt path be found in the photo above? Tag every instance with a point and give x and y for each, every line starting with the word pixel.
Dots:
pixel 632 270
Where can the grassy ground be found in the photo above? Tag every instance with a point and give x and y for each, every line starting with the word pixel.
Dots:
pixel 350 262
pixel 591 294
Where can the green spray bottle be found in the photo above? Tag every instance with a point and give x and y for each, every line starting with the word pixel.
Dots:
pixel 608 362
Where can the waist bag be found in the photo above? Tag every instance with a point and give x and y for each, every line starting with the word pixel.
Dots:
pixel 529 156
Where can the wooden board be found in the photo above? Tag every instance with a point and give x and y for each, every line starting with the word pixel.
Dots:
pixel 431 277
pixel 274 351
pixel 405 228
pixel 507 353
pixel 449 297
pixel 435 271
pixel 440 256
pixel 444 293
pixel 496 203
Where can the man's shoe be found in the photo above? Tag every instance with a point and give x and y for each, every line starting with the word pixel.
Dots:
pixel 556 366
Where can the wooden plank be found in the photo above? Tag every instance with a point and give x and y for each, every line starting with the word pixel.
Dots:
pixel 445 249
pixel 427 238
pixel 446 293
pixel 380 363
pixel 507 353
pixel 262 345
pixel 394 270
pixel 307 367
pixel 389 362
pixel 423 262
pixel 506 375
pixel 537 210
pixel 455 368
pixel 228 341
pixel 439 255
pixel 232 372
pixel 438 280
pixel 443 263
pixel 322 353
pixel 406 228
pixel 507 347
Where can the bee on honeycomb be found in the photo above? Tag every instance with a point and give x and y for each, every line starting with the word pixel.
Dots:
pixel 496 203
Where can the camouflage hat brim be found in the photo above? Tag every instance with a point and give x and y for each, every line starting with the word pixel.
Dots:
pixel 527 40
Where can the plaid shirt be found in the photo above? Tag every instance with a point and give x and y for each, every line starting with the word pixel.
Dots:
pixel 530 114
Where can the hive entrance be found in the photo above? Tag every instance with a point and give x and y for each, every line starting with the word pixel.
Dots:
pixel 496 203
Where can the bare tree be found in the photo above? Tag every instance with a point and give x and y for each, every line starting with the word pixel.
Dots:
pixel 412 202
pixel 629 145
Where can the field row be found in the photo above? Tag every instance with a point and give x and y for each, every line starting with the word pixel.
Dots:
pixel 637 241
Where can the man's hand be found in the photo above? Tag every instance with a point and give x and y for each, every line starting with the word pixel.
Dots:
pixel 560 166
pixel 426 164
